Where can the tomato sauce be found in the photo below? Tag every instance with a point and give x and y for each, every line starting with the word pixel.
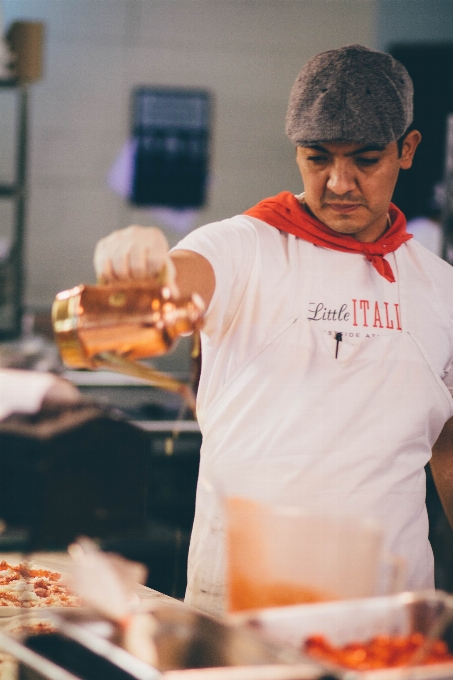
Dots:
pixel 382 651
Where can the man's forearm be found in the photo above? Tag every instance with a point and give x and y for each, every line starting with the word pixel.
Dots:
pixel 442 468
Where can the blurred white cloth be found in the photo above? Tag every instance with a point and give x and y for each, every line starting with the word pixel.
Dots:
pixel 106 583
pixel 427 232
pixel 25 391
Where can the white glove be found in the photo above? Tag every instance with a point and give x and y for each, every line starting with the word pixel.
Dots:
pixel 135 253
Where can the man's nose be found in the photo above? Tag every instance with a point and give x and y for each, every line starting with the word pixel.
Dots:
pixel 341 178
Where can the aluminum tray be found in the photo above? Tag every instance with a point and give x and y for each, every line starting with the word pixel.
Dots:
pixel 360 620
pixel 189 646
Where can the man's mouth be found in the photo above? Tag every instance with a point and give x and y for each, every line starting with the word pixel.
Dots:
pixel 344 208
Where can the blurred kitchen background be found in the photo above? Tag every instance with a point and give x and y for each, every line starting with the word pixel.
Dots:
pixel 246 53
pixel 242 54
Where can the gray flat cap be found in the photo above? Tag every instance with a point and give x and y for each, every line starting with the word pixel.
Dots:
pixel 352 94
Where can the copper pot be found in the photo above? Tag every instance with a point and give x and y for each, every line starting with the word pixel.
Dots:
pixel 110 326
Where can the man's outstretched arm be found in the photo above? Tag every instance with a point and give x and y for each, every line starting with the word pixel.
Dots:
pixel 442 468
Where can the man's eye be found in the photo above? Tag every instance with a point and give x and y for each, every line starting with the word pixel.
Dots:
pixel 318 159
pixel 367 161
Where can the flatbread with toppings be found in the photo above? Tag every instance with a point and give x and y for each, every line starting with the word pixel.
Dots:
pixel 25 586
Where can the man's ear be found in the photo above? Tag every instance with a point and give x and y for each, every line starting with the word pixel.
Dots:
pixel 410 143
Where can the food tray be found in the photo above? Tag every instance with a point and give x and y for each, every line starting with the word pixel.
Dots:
pixel 360 620
pixel 189 645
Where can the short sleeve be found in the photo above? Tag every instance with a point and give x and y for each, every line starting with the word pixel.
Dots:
pixel 230 248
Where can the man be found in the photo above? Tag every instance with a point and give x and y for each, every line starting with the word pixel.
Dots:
pixel 328 341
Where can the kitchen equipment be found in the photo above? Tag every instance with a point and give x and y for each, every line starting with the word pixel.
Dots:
pixel 71 470
pixel 170 133
pixel 88 647
pixel 360 620
pixel 110 326
pixel 278 556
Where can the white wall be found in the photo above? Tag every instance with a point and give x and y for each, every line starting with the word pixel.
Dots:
pixel 248 52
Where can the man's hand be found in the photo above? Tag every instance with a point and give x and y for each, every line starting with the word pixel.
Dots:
pixel 442 468
pixel 134 253
pixel 142 253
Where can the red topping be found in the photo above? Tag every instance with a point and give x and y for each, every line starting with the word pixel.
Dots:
pixel 382 651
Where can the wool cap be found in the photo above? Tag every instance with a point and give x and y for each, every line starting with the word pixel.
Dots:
pixel 351 94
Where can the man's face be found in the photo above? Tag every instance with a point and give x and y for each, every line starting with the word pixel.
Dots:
pixel 348 186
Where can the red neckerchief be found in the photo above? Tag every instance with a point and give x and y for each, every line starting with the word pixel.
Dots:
pixel 285 212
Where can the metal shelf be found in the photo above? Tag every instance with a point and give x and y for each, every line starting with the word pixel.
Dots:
pixel 6 191
pixel 12 269
pixel 9 82
pixel 171 426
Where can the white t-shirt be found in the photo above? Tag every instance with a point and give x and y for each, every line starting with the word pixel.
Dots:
pixel 347 295
pixel 353 298
pixel 284 421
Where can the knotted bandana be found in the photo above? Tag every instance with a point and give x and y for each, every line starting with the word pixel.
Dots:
pixel 285 212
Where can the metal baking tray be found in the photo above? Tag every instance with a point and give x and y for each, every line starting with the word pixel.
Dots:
pixel 189 645
pixel 359 620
